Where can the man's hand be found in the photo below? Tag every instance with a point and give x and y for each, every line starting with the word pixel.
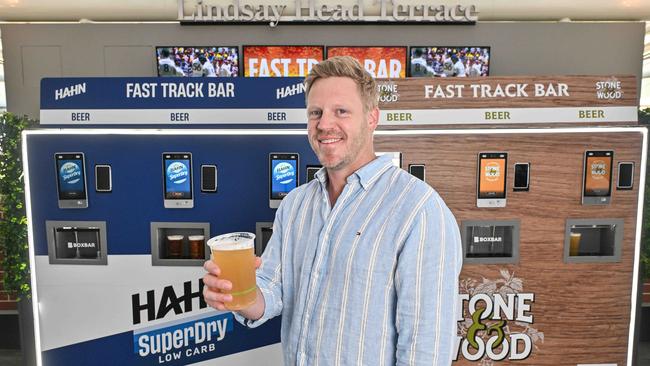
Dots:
pixel 213 291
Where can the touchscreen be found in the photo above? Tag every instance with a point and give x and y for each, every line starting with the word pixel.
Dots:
pixel 71 178
pixel 598 176
pixel 283 177
pixel 492 177
pixel 178 182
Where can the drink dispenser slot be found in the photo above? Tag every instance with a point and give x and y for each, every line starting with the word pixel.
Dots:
pixel 76 242
pixel 490 241
pixel 263 232
pixel 593 240
pixel 179 243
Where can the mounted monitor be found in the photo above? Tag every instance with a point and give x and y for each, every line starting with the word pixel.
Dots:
pixel 597 177
pixel 456 61
pixel 279 61
pixel 384 62
pixel 491 180
pixel 204 61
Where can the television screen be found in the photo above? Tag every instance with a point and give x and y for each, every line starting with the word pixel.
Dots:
pixel 276 61
pixel 213 61
pixel 473 61
pixel 381 62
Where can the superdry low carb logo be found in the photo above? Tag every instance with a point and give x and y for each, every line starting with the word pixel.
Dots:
pixel 496 318
pixel 181 342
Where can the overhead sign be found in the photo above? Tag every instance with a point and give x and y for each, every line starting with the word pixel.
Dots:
pixel 508 100
pixel 201 11
pixel 402 102
pixel 172 101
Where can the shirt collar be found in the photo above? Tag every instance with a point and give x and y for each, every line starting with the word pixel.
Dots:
pixel 366 175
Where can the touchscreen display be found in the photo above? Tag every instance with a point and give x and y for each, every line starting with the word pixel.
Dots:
pixel 492 175
pixel 598 173
pixel 178 180
pixel 71 176
pixel 283 177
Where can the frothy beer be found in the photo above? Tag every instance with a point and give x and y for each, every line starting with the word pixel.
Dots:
pixel 234 254
pixel 574 244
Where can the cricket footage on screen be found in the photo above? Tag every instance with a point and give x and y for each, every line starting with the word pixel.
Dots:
pixel 214 61
pixel 449 61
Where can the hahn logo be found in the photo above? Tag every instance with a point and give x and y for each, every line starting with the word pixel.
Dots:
pixel 70 173
pixel 284 173
pixel 70 91
pixel 177 172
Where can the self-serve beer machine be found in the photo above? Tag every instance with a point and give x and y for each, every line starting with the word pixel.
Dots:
pixel 124 187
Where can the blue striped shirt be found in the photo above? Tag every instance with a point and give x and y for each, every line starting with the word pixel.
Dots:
pixel 371 281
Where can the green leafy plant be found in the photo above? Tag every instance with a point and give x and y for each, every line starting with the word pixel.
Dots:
pixel 14 253
pixel 644 119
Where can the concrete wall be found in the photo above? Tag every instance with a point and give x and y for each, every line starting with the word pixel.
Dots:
pixel 33 51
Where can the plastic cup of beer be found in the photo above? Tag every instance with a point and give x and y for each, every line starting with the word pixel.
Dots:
pixel 197 245
pixel 574 247
pixel 235 256
pixel 174 246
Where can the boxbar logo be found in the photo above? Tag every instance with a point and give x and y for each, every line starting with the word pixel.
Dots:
pixel 488 239
pixel 69 91
pixel 70 173
pixel 177 172
pixel 284 173
pixel 495 320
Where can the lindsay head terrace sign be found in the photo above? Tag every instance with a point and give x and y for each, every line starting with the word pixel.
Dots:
pixel 314 11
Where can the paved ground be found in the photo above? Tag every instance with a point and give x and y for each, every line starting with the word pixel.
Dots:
pixel 10 357
pixel 14 357
pixel 643 358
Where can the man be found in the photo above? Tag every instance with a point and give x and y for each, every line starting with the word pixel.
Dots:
pixel 224 69
pixel 206 67
pixel 364 260
pixel 166 66
pixel 459 67
pixel 419 66
pixel 197 66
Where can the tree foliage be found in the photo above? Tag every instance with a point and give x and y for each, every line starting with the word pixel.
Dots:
pixel 14 252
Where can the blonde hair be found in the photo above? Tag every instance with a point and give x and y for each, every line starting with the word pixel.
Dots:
pixel 346 66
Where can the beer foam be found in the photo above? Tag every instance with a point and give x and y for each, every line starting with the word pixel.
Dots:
pixel 174 237
pixel 195 237
pixel 232 241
